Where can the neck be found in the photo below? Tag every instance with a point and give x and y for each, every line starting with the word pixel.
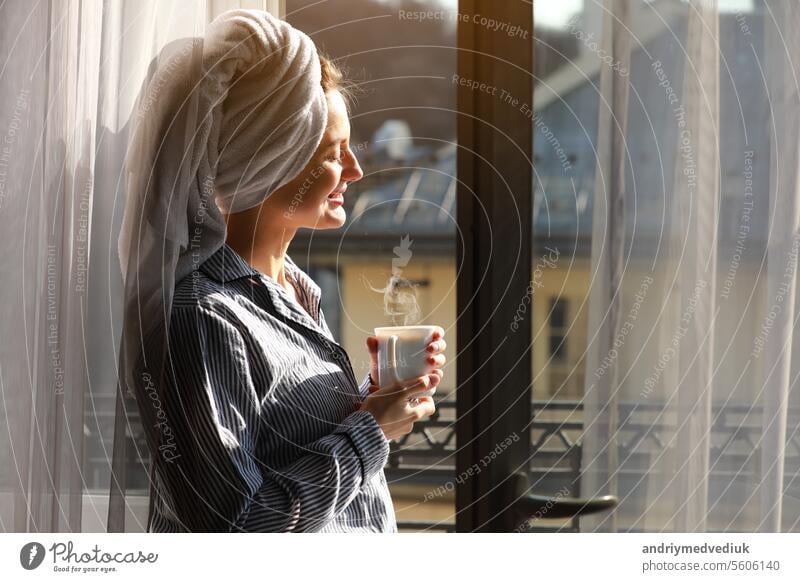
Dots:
pixel 260 241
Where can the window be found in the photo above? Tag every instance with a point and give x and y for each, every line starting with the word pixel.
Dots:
pixel 558 331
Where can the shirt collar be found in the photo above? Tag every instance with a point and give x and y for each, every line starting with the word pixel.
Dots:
pixel 226 265
pixel 309 288
pixel 305 281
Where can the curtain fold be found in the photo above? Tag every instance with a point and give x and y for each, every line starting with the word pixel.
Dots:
pixel 71 75
pixel 608 244
pixel 48 189
pixel 782 51
pixel 696 196
pixel 693 423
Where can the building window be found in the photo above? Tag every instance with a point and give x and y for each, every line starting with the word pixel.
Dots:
pixel 558 329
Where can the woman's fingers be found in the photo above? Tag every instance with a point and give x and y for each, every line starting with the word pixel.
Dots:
pixel 438 360
pixel 423 409
pixel 437 338
pixel 411 391
pixel 372 344
pixel 419 384
pixel 436 346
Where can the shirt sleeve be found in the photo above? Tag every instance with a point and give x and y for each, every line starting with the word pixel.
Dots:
pixel 216 482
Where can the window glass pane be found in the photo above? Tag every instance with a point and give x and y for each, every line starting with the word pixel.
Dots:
pixel 558 348
pixel 565 111
pixel 558 313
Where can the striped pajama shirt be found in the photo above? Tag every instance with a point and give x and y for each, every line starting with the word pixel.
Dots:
pixel 262 407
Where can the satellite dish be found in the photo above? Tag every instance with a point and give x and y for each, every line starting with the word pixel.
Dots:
pixel 393 138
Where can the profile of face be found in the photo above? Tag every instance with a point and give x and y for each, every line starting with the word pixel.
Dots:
pixel 315 198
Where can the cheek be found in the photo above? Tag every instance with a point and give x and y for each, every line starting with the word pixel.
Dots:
pixel 307 198
pixel 325 183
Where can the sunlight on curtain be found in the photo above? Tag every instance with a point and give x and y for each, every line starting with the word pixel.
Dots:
pixel 691 361
pixel 51 78
pixel 74 69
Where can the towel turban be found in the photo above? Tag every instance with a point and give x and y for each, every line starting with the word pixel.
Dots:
pixel 222 122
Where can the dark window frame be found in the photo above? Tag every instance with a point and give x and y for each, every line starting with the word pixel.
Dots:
pixel 494 259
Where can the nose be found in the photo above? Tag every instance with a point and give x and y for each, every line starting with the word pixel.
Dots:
pixel 352 171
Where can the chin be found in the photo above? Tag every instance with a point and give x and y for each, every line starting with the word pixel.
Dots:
pixel 338 221
pixel 331 219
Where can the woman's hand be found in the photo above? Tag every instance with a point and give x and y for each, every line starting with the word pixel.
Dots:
pixel 435 349
pixel 392 409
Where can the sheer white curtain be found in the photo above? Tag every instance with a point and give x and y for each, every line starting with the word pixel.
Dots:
pixel 691 410
pixel 71 71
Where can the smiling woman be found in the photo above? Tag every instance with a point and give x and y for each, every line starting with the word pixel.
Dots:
pixel 268 428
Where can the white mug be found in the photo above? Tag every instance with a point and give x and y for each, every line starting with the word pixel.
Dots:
pixel 402 354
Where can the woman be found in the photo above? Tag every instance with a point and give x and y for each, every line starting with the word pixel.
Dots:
pixel 262 425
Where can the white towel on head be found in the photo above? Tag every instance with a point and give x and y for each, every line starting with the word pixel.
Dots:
pixel 223 121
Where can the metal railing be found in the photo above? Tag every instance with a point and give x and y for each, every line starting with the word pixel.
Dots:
pixel 427 455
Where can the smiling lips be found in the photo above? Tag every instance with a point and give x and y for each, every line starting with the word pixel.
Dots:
pixel 337 195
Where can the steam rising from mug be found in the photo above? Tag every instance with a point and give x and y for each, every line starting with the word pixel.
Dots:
pixel 400 301
pixel 400 294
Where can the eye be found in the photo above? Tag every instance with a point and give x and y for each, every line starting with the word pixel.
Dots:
pixel 337 157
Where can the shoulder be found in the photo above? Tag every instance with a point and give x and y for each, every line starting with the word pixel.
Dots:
pixel 198 295
pixel 204 319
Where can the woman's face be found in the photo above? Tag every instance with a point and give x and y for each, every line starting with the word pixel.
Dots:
pixel 315 197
